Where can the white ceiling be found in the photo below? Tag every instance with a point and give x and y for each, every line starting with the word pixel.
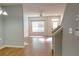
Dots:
pixel 36 8
pixel 46 8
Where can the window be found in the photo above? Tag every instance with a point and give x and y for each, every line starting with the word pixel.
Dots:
pixel 55 22
pixel 37 26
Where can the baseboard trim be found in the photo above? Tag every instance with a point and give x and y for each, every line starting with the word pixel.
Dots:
pixel 13 46
pixel 2 47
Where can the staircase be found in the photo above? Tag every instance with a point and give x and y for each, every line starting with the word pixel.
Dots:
pixel 57 41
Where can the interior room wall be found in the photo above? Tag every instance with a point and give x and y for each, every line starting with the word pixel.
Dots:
pixel 25 18
pixel 1 32
pixel 26 26
pixel 70 40
pixel 13 26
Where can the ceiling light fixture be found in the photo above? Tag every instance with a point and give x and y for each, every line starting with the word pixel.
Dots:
pixel 3 12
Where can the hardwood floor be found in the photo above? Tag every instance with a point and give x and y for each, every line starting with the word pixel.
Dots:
pixel 37 46
pixel 12 51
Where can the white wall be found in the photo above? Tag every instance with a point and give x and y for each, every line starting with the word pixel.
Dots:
pixel 13 26
pixel 26 26
pixel 1 32
pixel 70 44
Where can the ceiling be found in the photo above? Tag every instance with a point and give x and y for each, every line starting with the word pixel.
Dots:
pixel 36 8
pixel 46 8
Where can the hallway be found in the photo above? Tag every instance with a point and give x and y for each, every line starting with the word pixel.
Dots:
pixel 30 27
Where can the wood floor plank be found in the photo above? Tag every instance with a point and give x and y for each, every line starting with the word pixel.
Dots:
pixel 11 51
